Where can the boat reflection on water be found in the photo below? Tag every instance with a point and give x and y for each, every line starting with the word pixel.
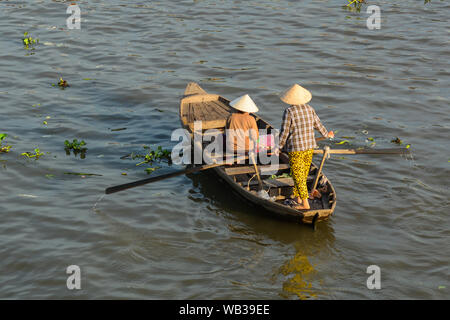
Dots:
pixel 297 274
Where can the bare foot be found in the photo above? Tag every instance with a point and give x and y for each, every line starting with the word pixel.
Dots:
pixel 302 207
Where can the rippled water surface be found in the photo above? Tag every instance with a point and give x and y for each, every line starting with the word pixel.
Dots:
pixel 189 237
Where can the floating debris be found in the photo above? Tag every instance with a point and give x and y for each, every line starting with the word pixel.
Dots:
pixel 154 155
pixel 82 174
pixel 36 155
pixel 29 42
pixel 6 148
pixel 27 195
pixel 151 170
pixel 397 141
pixel 119 129
pixel 343 142
pixel 61 84
pixel 357 4
pixel 76 146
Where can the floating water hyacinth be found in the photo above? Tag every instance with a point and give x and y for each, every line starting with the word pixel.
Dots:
pixel 29 42
pixel 76 146
pixel 354 5
pixel 151 170
pixel 37 153
pixel 154 155
pixel 3 149
pixel 61 84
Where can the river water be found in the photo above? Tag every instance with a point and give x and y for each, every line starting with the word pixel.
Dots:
pixel 189 237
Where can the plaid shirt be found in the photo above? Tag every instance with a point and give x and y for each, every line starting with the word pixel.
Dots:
pixel 299 123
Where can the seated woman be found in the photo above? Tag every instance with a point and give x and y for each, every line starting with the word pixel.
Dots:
pixel 242 131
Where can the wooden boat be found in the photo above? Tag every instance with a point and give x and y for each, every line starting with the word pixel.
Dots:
pixel 213 110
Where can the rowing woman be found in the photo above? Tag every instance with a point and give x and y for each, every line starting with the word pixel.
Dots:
pixel 297 135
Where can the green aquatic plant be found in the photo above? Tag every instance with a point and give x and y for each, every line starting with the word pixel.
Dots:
pixel 36 155
pixel 78 147
pixel 62 84
pixel 75 144
pixel 150 170
pixel 29 42
pixel 4 148
pixel 399 142
pixel 154 155
pixel 354 5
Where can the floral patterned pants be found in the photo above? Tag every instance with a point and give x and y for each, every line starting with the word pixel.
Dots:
pixel 300 162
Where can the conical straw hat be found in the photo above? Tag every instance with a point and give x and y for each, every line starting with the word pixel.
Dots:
pixel 245 104
pixel 296 95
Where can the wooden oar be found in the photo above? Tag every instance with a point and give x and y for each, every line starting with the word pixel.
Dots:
pixel 260 184
pixel 365 151
pixel 326 150
pixel 138 183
